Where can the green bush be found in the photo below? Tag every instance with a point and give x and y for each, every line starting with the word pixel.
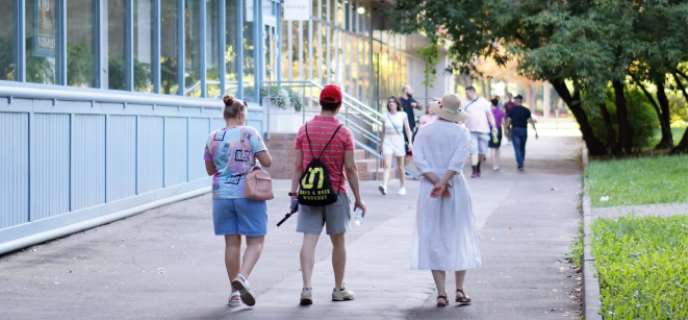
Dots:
pixel 283 97
pixel 642 118
pixel 642 264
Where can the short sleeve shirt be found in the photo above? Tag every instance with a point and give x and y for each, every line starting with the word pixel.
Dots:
pixel 406 105
pixel 499 116
pixel 320 130
pixel 477 114
pixel 519 116
pixel 224 149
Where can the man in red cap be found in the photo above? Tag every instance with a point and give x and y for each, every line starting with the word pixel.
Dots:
pixel 324 138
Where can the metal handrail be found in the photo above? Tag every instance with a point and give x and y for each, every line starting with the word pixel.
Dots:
pixel 317 85
pixel 365 115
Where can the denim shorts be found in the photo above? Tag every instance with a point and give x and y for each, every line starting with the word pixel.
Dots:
pixel 479 142
pixel 246 217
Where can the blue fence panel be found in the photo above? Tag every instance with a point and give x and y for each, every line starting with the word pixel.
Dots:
pixel 14 169
pixel 176 143
pixel 198 135
pixel 150 154
pixel 121 157
pixel 52 176
pixel 68 161
pixel 216 124
pixel 88 164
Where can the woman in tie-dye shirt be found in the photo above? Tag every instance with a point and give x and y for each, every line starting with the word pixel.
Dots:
pixel 228 160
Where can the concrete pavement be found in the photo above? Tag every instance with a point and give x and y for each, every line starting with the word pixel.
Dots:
pixel 166 263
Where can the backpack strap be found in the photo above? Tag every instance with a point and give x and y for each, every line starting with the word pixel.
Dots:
pixel 328 142
pixel 243 147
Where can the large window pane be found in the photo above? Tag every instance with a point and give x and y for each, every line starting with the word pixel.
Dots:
pixel 192 49
pixel 41 50
pixel 248 63
pixel 168 47
pixel 144 31
pixel 7 58
pixel 212 47
pixel 116 65
pixel 231 42
pixel 81 36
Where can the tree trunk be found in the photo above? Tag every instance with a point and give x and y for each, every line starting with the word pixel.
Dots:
pixel 489 88
pixel 667 142
pixel 611 134
pixel 594 145
pixel 682 146
pixel 625 139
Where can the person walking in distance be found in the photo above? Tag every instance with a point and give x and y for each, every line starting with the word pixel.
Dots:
pixel 324 162
pixel 509 103
pixel 229 155
pixel 480 120
pixel 407 105
pixel 518 118
pixel 429 116
pixel 445 236
pixel 393 145
pixel 494 144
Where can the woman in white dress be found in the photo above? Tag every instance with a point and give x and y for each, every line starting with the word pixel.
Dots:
pixel 393 145
pixel 445 237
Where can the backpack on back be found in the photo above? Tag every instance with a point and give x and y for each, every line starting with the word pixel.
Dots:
pixel 315 184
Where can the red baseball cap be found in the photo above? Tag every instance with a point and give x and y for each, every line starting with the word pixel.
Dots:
pixel 331 93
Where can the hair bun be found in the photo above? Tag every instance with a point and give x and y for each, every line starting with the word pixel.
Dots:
pixel 228 99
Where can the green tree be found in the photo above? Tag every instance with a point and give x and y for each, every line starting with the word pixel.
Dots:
pixel 581 47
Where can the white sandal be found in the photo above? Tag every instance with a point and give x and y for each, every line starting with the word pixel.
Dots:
pixel 242 285
pixel 232 302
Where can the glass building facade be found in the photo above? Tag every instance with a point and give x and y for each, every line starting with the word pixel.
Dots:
pixel 203 48
pixel 191 48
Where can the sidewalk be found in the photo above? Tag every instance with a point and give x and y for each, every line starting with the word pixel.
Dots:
pixel 166 263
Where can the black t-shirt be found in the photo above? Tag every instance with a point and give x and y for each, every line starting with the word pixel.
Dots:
pixel 406 105
pixel 519 116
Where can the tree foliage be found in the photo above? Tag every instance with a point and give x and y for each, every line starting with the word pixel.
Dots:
pixel 583 48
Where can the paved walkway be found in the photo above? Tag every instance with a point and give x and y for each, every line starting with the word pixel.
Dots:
pixel 166 263
pixel 662 210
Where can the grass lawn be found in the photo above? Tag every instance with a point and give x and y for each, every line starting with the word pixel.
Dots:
pixel 642 264
pixel 662 179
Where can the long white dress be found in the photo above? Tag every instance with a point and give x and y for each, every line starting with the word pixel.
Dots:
pixel 445 236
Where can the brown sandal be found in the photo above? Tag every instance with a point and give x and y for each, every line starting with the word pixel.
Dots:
pixel 446 301
pixel 463 298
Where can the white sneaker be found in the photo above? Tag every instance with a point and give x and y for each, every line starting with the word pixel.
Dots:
pixel 247 296
pixel 383 189
pixel 306 296
pixel 341 295
pixel 234 302
pixel 402 191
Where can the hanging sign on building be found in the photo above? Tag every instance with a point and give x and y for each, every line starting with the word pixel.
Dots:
pixel 297 10
pixel 44 37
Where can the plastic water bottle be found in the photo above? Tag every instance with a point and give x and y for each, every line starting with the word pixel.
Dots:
pixel 495 137
pixel 359 216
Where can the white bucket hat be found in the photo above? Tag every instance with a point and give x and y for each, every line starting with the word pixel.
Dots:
pixel 449 108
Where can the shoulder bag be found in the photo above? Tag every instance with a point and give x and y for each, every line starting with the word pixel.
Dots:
pixel 257 183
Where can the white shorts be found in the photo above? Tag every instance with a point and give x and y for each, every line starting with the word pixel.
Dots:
pixel 394 144
pixel 479 141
